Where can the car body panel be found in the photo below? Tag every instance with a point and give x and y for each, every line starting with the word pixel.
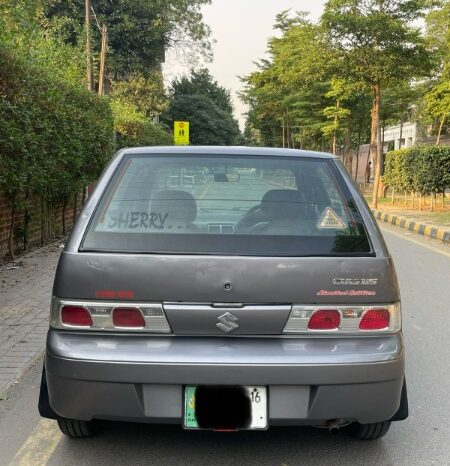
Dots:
pixel 311 379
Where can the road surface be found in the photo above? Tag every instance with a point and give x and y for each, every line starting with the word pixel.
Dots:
pixel 424 274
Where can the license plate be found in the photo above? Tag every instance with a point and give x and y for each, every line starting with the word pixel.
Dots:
pixel 225 408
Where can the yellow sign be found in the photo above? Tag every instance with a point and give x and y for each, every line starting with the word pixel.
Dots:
pixel 181 133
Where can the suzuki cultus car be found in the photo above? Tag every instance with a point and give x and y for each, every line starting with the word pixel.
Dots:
pixel 225 289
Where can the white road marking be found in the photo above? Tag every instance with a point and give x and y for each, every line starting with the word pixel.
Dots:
pixel 399 235
pixel 39 446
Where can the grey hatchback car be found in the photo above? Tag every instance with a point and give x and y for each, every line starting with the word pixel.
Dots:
pixel 225 289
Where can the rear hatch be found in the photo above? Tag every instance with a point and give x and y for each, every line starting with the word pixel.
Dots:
pixel 227 244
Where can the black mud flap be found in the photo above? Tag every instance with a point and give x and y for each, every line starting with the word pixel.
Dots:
pixel 45 410
pixel 403 410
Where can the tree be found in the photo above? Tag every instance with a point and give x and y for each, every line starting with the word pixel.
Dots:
pixel 437 101
pixel 209 124
pixel 379 45
pixel 200 82
pixel 139 31
pixel 438 104
pixel 199 99
pixel 144 92
pixel 287 94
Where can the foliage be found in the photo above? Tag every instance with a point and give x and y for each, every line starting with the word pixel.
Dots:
pixel 145 93
pixel 376 38
pixel 423 168
pixel 200 82
pixel 209 124
pixel 437 101
pixel 134 129
pixel 290 89
pixel 139 30
pixel 55 138
pixel 207 106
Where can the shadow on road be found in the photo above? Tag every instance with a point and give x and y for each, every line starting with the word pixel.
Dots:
pixel 123 443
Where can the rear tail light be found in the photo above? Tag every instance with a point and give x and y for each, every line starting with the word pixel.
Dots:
pixel 375 319
pixel 128 318
pixel 109 316
pixel 344 320
pixel 76 316
pixel 325 319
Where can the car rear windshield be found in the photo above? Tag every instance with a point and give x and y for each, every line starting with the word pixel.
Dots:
pixel 239 205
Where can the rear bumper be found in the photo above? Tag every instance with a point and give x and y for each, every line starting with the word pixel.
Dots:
pixel 141 378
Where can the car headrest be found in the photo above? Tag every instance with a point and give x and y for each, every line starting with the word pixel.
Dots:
pixel 179 205
pixel 281 202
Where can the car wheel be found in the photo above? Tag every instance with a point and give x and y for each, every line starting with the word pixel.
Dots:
pixel 369 431
pixel 76 429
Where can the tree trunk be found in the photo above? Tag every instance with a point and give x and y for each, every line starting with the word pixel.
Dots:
pixel 75 202
pixel 393 196
pixel 42 221
pixel 11 227
pixel 438 140
pixel 348 149
pixel 89 68
pixel 101 80
pixel 26 219
pixel 336 121
pixel 378 149
pixel 64 209
pixel 358 152
pixel 283 133
pixel 401 134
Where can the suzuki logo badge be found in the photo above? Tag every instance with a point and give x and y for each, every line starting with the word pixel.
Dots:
pixel 227 322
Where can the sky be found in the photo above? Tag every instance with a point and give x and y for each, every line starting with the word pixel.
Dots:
pixel 241 29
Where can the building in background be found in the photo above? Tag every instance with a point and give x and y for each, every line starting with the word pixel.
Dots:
pixel 399 136
pixel 393 137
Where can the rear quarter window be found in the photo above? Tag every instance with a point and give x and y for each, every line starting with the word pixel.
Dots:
pixel 244 205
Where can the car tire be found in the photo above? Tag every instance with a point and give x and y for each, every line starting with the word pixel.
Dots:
pixel 76 429
pixel 369 431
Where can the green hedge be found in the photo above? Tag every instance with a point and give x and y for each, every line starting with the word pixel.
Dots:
pixel 423 169
pixel 55 138
pixel 133 129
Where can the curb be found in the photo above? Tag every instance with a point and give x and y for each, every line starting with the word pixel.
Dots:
pixel 420 228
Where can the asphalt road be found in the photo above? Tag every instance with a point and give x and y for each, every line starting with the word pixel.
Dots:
pixel 424 274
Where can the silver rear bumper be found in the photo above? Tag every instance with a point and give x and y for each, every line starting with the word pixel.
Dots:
pixel 310 380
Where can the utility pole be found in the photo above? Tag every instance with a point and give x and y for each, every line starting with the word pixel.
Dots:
pixel 103 60
pixel 90 73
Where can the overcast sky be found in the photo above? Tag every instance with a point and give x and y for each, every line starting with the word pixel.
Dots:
pixel 241 29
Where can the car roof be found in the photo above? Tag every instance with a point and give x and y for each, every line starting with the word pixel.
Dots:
pixel 226 150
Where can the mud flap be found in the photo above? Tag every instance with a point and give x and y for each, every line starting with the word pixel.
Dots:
pixel 403 410
pixel 45 410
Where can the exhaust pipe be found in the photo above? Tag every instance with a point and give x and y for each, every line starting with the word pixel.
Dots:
pixel 333 428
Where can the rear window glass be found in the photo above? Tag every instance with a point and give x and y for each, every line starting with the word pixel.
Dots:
pixel 227 205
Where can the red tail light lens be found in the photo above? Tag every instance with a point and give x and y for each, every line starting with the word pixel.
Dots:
pixel 128 317
pixel 324 319
pixel 76 315
pixel 375 319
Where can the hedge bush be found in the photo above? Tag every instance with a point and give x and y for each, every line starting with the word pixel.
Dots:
pixel 55 138
pixel 134 129
pixel 424 169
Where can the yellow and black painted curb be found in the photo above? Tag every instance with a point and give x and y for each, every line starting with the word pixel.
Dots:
pixel 420 228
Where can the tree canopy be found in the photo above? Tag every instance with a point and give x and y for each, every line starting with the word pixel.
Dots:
pixel 140 31
pixel 199 99
pixel 333 84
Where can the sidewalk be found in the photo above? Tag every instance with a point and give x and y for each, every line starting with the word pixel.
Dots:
pixel 25 293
